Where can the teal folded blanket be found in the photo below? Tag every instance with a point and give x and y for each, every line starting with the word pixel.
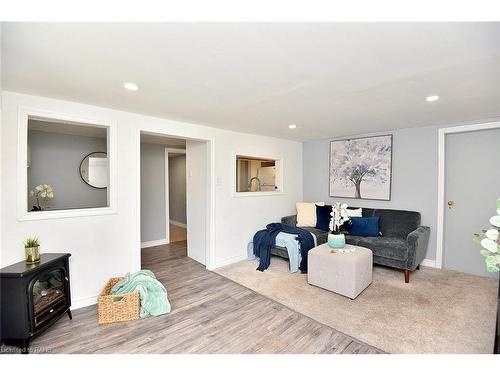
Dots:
pixel 154 300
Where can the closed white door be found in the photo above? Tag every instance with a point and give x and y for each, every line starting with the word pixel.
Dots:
pixel 472 188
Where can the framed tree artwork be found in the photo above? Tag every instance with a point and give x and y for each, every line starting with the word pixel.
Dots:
pixel 361 168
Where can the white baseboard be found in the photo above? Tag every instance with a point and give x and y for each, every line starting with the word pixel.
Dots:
pixel 177 223
pixel 83 302
pixel 154 243
pixel 428 263
pixel 224 262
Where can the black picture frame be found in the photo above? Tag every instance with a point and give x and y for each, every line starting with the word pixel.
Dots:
pixel 80 169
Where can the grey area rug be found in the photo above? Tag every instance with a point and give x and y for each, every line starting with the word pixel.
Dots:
pixel 439 311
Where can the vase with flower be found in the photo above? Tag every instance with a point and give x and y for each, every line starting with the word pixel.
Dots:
pixel 340 217
pixel 42 193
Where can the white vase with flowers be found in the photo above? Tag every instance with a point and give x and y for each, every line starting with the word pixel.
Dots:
pixel 340 217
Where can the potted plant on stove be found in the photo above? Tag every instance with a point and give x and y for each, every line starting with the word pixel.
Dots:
pixel 489 239
pixel 340 217
pixel 32 250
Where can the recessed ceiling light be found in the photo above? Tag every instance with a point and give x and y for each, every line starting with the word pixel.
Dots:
pixel 432 98
pixel 292 126
pixel 131 86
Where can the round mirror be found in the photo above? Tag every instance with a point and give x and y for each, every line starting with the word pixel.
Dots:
pixel 94 170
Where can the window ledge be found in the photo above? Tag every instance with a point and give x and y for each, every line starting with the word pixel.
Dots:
pixel 256 193
pixel 58 214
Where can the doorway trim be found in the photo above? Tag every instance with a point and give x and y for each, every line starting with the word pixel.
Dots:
pixel 210 193
pixel 442 133
pixel 167 189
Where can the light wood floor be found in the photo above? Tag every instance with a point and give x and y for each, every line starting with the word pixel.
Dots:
pixel 177 233
pixel 210 314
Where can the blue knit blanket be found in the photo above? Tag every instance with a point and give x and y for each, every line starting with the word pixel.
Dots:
pixel 265 239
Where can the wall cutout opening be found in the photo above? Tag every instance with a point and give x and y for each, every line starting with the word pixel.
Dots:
pixel 67 165
pixel 256 174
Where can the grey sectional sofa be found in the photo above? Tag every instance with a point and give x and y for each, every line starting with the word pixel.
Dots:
pixel 403 243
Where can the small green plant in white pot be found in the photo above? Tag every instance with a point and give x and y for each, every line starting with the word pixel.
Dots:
pixel 32 250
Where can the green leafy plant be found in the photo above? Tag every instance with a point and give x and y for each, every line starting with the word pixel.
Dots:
pixel 490 241
pixel 31 242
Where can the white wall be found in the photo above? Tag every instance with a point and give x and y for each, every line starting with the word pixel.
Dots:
pixel 108 245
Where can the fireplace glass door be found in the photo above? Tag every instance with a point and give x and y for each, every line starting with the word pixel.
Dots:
pixel 48 296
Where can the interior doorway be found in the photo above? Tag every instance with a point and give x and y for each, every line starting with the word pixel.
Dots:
pixel 176 198
pixel 472 186
pixel 163 190
pixel 175 194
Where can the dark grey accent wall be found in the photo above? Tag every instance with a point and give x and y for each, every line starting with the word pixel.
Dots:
pixel 177 188
pixel 153 221
pixel 55 160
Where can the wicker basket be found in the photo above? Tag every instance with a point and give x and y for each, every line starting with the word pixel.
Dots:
pixel 117 307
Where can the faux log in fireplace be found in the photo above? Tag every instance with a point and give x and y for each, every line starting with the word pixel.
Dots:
pixel 33 297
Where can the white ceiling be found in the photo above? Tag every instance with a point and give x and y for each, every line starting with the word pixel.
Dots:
pixel 331 79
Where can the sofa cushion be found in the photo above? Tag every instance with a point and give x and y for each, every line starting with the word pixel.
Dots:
pixel 306 213
pixel 323 217
pixel 395 223
pixel 385 247
pixel 355 212
pixel 364 226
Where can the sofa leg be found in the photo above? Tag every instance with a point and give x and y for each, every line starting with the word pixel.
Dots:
pixel 407 276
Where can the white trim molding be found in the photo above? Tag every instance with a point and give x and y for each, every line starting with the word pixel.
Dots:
pixel 178 223
pixel 154 243
pixel 278 179
pixel 175 150
pixel 442 178
pixel 230 260
pixel 24 114
pixel 429 263
pixel 83 302
pixel 210 235
pixel 166 186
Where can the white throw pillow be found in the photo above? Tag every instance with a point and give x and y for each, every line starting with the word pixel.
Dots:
pixel 358 212
pixel 306 213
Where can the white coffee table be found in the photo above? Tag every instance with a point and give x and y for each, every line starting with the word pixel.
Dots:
pixel 346 273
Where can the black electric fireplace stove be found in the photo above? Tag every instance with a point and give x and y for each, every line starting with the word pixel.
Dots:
pixel 33 297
